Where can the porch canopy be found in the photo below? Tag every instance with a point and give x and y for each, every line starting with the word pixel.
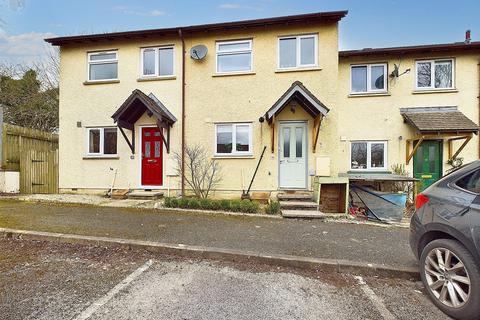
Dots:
pixel 311 104
pixel 446 123
pixel 134 107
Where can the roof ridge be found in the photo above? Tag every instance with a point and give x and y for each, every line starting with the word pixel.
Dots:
pixel 325 15
pixel 412 48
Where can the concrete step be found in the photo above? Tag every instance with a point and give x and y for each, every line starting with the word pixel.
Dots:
pixel 145 195
pixel 298 205
pixel 311 214
pixel 294 197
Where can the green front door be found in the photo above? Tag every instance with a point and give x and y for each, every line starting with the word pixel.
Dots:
pixel 427 163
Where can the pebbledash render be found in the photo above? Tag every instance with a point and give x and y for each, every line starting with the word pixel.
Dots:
pixel 129 101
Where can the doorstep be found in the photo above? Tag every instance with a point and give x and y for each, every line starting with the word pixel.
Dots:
pixel 145 195
pixel 310 214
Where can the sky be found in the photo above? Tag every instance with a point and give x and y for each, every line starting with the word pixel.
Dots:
pixel 375 23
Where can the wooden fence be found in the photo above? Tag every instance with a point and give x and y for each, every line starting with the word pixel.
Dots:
pixel 39 171
pixel 35 154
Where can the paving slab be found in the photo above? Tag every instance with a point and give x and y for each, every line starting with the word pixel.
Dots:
pixel 308 238
pixel 314 214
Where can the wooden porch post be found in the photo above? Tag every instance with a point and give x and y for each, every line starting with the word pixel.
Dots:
pixel 272 134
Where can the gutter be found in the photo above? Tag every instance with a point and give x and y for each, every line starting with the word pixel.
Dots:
pixel 180 34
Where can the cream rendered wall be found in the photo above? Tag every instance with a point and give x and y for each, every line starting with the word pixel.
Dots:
pixel 244 98
pixel 209 99
pixel 93 105
pixel 378 117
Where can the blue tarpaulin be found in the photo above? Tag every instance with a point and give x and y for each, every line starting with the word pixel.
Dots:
pixel 380 206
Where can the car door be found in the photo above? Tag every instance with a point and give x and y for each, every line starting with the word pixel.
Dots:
pixel 455 203
pixel 471 182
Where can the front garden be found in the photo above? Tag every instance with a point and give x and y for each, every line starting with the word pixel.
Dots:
pixel 244 206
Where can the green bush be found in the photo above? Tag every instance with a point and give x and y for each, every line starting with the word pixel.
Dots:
pixel 249 206
pixel 224 204
pixel 183 203
pixel 215 205
pixel 206 204
pixel 236 205
pixel 272 208
pixel 171 202
pixel 167 202
pixel 193 204
pixel 174 203
pixel 209 204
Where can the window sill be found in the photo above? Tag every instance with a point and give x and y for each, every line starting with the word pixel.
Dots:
pixel 298 69
pixel 100 82
pixel 234 74
pixel 113 157
pixel 142 79
pixel 369 94
pixel 236 156
pixel 434 91
pixel 369 171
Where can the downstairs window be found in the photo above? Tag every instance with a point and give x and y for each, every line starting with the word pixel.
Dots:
pixel 102 141
pixel 233 139
pixel 368 155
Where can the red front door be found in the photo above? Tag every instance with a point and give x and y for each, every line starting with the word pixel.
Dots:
pixel 152 157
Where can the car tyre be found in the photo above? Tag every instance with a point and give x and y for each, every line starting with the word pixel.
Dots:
pixel 442 283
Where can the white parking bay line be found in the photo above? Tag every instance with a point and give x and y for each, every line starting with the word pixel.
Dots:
pixel 87 313
pixel 374 299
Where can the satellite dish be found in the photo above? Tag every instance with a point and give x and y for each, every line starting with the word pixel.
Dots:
pixel 198 52
pixel 395 73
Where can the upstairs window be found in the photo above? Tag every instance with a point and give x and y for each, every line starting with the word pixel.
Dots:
pixel 368 78
pixel 297 51
pixel 101 141
pixel 233 139
pixel 157 62
pixel 434 74
pixel 368 155
pixel 102 66
pixel 234 56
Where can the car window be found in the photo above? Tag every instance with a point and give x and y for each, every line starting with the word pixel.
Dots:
pixel 470 182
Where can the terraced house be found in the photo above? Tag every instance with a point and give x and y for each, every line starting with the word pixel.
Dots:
pixel 132 100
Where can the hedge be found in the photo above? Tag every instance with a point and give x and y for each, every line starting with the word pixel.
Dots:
pixel 272 207
pixel 245 206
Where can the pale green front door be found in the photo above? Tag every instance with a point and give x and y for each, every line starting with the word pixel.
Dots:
pixel 292 155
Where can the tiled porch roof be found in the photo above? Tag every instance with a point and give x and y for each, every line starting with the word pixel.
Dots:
pixel 438 120
pixel 138 103
pixel 307 100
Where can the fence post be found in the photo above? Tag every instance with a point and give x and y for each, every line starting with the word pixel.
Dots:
pixel 1 136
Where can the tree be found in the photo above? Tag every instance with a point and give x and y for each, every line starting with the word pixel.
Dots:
pixel 30 93
pixel 202 174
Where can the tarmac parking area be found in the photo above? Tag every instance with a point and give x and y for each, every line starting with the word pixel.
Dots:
pixel 42 280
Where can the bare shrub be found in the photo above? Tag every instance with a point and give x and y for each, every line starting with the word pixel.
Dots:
pixel 202 174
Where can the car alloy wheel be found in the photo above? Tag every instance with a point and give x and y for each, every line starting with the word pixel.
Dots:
pixel 447 277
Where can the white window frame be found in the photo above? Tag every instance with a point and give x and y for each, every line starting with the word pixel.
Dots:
pixel 369 155
pixel 219 52
pixel 369 78
pixel 104 61
pixel 298 48
pixel 157 62
pixel 432 74
pixel 101 149
pixel 234 139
